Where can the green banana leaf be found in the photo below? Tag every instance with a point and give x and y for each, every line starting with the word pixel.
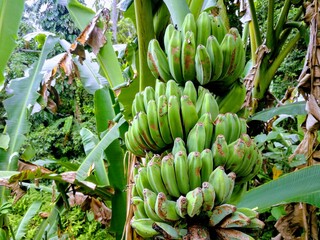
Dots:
pixel 18 105
pixel 107 59
pixel 10 16
pixel 300 186
pixel 23 225
pixel 297 108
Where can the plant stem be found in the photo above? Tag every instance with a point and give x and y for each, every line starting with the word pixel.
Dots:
pixel 144 23
pixel 254 20
pixel 270 30
pixel 282 19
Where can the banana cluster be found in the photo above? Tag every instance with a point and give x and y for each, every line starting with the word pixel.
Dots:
pixel 171 190
pixel 167 112
pixel 202 51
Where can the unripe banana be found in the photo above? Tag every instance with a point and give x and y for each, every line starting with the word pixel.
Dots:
pixel 174 56
pixel 189 114
pixel 143 227
pixel 143 178
pixel 191 91
pixel 221 184
pixel 250 213
pixel 232 178
pixel 222 127
pixel 208 126
pixel 181 206
pixel 157 61
pixel 139 102
pixel 220 151
pixel 220 212
pixel 197 138
pixel 233 126
pixel 167 36
pixel 162 111
pixel 189 24
pixel 154 175
pixel 172 89
pixel 138 185
pixel 203 28
pixel 216 57
pixel 159 89
pixel 181 167
pixel 209 196
pixel 131 145
pixel 245 167
pixel 178 145
pixel 243 126
pixel 153 123
pixel 174 117
pixel 228 47
pixel 168 175
pixel 210 105
pixel 195 201
pixel 255 223
pixel 138 208
pixel 194 165
pixel 201 93
pixel 207 164
pixel 166 209
pixel 144 132
pixel 188 53
pixel 203 65
pixel 218 28
pixel 135 135
pixel 148 94
pixel 149 199
pixel 167 230
pixel 233 100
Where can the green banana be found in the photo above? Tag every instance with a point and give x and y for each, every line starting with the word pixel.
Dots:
pixel 166 209
pixel 143 227
pixel 195 201
pixel 188 52
pixel 220 151
pixel 228 47
pixel 172 89
pixel 135 135
pixel 168 175
pixel 138 207
pixel 149 199
pixel 196 138
pixel 178 145
pixel 153 123
pixel 166 230
pixel 203 65
pixel 154 175
pixel 206 157
pixel 201 93
pixel 209 196
pixel 162 111
pixel 166 38
pixel 131 145
pixel 210 105
pixel 194 169
pixel 255 223
pixel 181 206
pixel 250 213
pixel 174 56
pixel 159 89
pixel 157 61
pixel 218 28
pixel 237 152
pixel 181 167
pixel 222 127
pixel 191 91
pixel 208 126
pixel 216 57
pixel 233 100
pixel 203 28
pixel 189 24
pixel 139 103
pixel 138 185
pixel 143 176
pixel 144 132
pixel 232 178
pixel 174 117
pixel 221 184
pixel 189 114
pixel 220 212
pixel 148 94
pixel 243 125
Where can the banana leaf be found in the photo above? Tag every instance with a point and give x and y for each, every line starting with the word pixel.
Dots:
pixel 10 16
pixel 23 225
pixel 178 10
pixel 300 186
pixel 17 106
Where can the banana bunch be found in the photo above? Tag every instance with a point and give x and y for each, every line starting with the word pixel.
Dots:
pixel 168 111
pixel 241 156
pixel 202 51
pixel 160 207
